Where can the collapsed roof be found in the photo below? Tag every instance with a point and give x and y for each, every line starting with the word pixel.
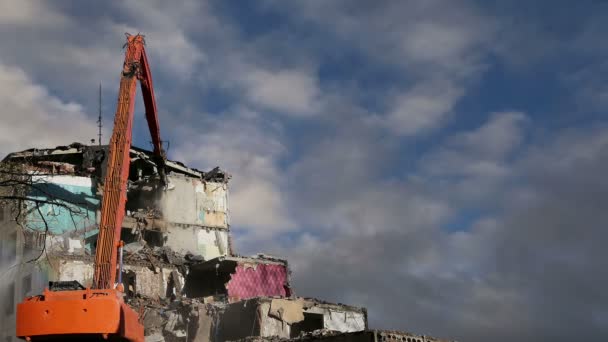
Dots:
pixel 81 159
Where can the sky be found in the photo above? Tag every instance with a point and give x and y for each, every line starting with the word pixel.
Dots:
pixel 442 163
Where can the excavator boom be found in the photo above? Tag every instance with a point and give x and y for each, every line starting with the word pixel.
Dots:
pixel 115 194
pixel 100 311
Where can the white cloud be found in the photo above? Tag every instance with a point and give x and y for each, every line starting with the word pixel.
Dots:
pixel 438 46
pixel 29 13
pixel 472 165
pixel 291 92
pixel 34 118
pixel 497 137
pixel 75 54
pixel 422 108
pixel 447 45
pixel 480 151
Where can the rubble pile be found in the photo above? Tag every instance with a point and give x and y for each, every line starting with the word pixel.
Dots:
pixel 166 320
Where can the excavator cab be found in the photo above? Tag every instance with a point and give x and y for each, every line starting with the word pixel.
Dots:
pixel 69 314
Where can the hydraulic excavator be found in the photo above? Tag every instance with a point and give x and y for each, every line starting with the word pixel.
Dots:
pixel 100 312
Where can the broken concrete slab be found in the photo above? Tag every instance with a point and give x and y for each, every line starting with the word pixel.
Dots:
pixel 288 311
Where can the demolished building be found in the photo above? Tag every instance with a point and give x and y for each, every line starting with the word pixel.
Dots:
pixel 180 270
pixel 357 336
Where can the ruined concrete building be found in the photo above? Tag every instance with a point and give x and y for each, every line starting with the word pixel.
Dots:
pixel 180 270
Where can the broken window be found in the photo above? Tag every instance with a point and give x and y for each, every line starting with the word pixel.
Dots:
pixel 26 285
pixel 311 322
pixel 33 241
pixel 10 300
pixel 153 238
pixel 209 279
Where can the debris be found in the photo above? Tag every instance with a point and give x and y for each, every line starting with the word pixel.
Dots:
pixel 155 337
pixel 176 283
pixel 171 257
pixel 65 285
pixel 194 258
pixel 58 167
pixel 132 248
pixel 288 311
pixel 152 260
pixel 215 175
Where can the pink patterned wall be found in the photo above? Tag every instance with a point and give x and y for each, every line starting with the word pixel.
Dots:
pixel 263 280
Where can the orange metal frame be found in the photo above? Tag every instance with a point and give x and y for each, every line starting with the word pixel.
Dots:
pixel 102 311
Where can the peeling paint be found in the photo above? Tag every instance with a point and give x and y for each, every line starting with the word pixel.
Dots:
pixel 60 220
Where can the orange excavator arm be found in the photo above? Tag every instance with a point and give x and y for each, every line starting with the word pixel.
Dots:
pixel 101 310
pixel 135 68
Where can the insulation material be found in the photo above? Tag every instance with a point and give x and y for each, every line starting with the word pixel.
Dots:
pixel 259 280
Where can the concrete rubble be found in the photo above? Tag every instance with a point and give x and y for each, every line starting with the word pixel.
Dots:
pixel 324 335
pixel 180 270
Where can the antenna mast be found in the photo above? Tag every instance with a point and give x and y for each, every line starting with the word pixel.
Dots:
pixel 99 124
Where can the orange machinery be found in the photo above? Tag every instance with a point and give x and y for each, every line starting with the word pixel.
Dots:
pixel 100 312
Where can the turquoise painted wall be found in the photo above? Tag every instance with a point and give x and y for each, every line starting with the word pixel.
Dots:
pixel 77 193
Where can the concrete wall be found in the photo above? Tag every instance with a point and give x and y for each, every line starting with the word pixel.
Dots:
pixel 271 326
pixel 196 213
pixel 266 313
pixel 147 282
pixel 206 242
pixel 67 190
pixel 335 317
pixel 340 319
pixel 194 202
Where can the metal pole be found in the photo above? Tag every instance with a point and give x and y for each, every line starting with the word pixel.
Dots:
pixel 120 263
pixel 99 124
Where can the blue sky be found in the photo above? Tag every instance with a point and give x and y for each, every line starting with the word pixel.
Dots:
pixel 441 162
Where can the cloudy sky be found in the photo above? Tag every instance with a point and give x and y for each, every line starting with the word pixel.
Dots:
pixel 443 163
